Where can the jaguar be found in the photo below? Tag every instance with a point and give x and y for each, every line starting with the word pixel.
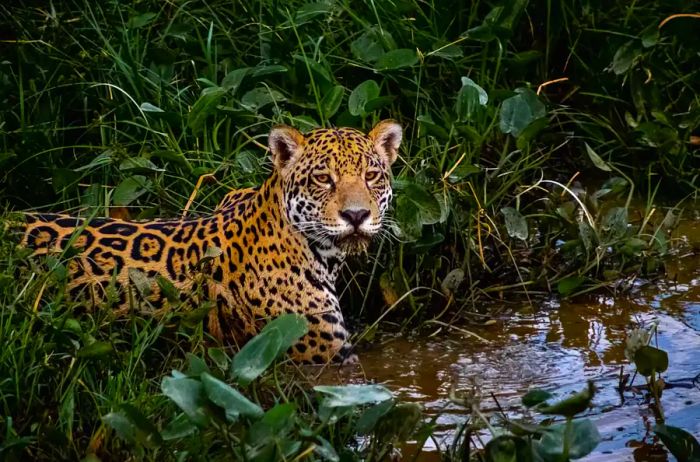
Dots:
pixel 263 252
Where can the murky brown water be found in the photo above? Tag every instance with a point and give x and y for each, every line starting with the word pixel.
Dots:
pixel 558 346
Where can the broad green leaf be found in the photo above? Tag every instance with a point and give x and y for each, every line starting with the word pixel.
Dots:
pixel 584 438
pixel 204 107
pixel 256 356
pixel 196 366
pixel 396 59
pixel 96 349
pixel 614 222
pixel 352 395
pixel 188 394
pixel 168 289
pixel 424 201
pixel 369 418
pixel 470 97
pixel 326 450
pixel 625 57
pixel 680 443
pixel 234 79
pixel 180 427
pixel 220 358
pixel 133 426
pixel 370 46
pixel 260 97
pixel 273 340
pixel 262 71
pixel 319 72
pixel 399 423
pixel 573 404
pixel 516 225
pixel 361 95
pixel 568 285
pixel 519 111
pixel 130 189
pixel 229 399
pixel 508 448
pixel 648 360
pixel 596 159
pixel 331 101
pixel 535 397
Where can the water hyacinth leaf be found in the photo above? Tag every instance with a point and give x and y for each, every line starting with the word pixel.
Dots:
pixel 234 79
pixel 470 97
pixel 378 103
pixel 650 360
pixel 204 107
pixel 596 159
pixel 370 46
pixel 256 356
pixel 273 340
pixel 196 366
pixel 122 426
pixel 516 225
pixel 424 201
pixel 568 285
pixel 220 358
pixel 508 448
pixel 369 418
pixel 229 399
pixel 352 395
pixel 680 443
pixel 614 222
pixel 97 349
pixel 130 189
pixel 573 404
pixel 260 97
pixel 263 71
pixel 325 450
pixel 583 439
pixel 180 427
pixel 320 72
pixel 188 395
pixel 519 111
pixel 535 397
pixel 331 101
pixel 399 423
pixel 361 95
pixel 396 59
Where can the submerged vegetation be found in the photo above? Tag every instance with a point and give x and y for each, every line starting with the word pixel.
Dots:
pixel 540 137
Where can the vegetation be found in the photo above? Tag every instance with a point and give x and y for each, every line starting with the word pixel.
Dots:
pixel 531 128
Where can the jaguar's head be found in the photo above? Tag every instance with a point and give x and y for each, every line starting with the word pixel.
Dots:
pixel 336 181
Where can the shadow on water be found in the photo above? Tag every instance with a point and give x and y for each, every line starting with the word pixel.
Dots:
pixel 558 347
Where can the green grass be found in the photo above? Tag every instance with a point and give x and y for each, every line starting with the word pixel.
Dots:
pixel 110 105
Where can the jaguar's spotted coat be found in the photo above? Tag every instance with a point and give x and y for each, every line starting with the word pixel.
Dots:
pixel 281 244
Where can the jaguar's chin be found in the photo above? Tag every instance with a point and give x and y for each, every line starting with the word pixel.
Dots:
pixel 354 243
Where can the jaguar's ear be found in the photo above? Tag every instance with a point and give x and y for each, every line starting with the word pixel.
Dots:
pixel 286 143
pixel 386 136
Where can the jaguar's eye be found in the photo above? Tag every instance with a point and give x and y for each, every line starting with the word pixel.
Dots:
pixel 371 176
pixel 323 179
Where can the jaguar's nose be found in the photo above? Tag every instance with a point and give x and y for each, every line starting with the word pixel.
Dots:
pixel 355 217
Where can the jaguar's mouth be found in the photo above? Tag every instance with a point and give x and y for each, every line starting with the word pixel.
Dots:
pixel 354 243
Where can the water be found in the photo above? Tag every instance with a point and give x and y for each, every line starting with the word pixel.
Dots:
pixel 557 346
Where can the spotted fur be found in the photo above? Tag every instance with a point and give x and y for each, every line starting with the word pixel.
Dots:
pixel 271 250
